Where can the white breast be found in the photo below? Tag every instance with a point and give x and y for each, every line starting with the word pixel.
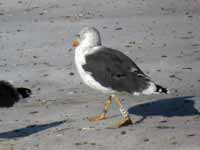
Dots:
pixel 87 78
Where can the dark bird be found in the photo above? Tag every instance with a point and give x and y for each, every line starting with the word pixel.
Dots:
pixel 9 94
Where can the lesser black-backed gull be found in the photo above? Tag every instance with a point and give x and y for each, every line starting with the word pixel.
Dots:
pixel 110 71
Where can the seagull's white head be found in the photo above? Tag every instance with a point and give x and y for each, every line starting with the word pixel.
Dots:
pixel 87 37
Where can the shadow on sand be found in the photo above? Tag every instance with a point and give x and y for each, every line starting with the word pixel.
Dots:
pixel 178 106
pixel 26 131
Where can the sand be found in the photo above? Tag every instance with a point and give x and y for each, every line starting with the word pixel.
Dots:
pixel 162 37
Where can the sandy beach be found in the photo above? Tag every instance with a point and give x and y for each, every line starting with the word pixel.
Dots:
pixel 162 37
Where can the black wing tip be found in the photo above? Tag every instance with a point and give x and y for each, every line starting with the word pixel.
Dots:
pixel 160 89
pixel 24 92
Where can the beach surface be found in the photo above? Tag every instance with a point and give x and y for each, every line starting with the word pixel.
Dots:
pixel 162 37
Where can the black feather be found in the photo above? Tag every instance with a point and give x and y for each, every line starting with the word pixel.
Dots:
pixel 160 89
pixel 9 95
pixel 113 69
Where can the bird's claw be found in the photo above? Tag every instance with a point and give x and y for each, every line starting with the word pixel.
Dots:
pixel 122 123
pixel 96 118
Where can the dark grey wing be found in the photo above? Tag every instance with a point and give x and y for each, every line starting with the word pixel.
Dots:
pixel 111 68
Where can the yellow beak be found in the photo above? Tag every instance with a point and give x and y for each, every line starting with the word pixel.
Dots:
pixel 75 43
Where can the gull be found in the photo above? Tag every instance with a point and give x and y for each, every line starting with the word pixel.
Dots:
pixel 110 71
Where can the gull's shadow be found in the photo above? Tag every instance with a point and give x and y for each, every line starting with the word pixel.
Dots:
pixel 178 106
pixel 26 131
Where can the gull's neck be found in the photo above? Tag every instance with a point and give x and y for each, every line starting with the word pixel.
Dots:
pixel 87 45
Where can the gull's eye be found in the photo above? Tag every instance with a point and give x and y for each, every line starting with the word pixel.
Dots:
pixel 77 35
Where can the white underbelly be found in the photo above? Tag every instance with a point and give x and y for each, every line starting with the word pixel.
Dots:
pixel 87 76
pixel 91 82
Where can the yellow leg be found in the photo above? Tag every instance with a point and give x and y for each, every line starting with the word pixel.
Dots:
pixel 103 114
pixel 126 120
